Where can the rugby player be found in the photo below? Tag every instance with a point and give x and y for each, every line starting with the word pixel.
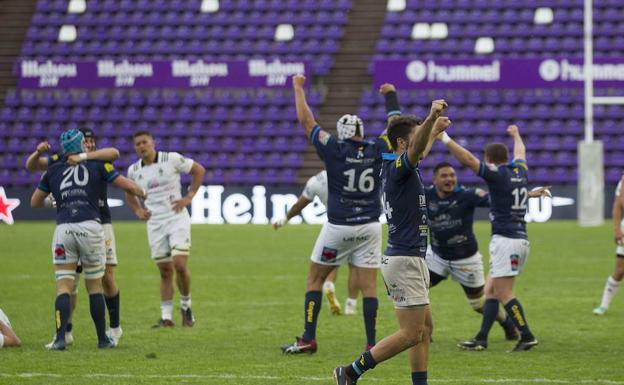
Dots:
pixel 316 186
pixel 454 250
pixel 168 221
pixel 79 234
pixel 111 292
pixel 403 265
pixel 509 248
pixel 613 282
pixel 8 338
pixel 352 233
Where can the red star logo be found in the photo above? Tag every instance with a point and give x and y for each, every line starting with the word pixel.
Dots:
pixel 6 206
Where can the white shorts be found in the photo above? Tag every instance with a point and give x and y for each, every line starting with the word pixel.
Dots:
pixel 169 237
pixel 359 245
pixel 109 243
pixel 507 256
pixel 407 280
pixel 82 241
pixel 467 272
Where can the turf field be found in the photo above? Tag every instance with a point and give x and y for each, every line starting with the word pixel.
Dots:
pixel 248 285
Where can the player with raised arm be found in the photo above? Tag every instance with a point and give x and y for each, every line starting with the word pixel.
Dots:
pixel 613 282
pixel 352 233
pixel 403 265
pixel 453 246
pixel 168 221
pixel 111 292
pixel 509 247
pixel 79 234
pixel 316 186
pixel 8 338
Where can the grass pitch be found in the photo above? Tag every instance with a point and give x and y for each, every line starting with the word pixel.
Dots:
pixel 248 285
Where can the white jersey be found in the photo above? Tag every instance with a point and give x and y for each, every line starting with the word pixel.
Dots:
pixel 316 187
pixel 618 189
pixel 161 180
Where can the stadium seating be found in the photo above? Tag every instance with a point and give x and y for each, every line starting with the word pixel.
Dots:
pixel 550 119
pixel 243 136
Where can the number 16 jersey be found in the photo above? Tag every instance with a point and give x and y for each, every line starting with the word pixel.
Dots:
pixel 508 187
pixel 353 169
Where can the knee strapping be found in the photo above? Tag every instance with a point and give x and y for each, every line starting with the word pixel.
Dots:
pixel 65 274
pixel 94 272
pixel 477 303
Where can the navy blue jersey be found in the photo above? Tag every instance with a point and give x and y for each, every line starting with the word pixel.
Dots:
pixel 406 211
pixel 353 177
pixel 509 193
pixel 450 221
pixel 105 213
pixel 77 189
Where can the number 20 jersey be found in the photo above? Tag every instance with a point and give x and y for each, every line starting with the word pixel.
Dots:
pixel 353 169
pixel 77 189
pixel 508 186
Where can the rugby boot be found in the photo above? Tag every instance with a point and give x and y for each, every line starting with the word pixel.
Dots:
pixel 342 378
pixel 600 310
pixel 187 318
pixel 522 346
pixel 334 305
pixel 56 345
pixel 115 334
pixel 106 344
pixel 163 323
pixel 473 344
pixel 69 339
pixel 299 346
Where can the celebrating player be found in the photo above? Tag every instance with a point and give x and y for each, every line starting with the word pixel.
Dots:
pixel 168 221
pixel 79 234
pixel 316 186
pixel 509 247
pixel 454 250
pixel 353 232
pixel 36 162
pixel 403 265
pixel 613 282
pixel 8 338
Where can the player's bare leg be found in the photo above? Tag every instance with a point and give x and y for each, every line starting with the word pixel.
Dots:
pixel 166 295
pixel 97 304
pixel 64 274
pixel 317 275
pixel 351 302
pixel 503 290
pixel 366 282
pixel 9 338
pixel 477 300
pixel 183 281
pixel 414 329
pixel 111 296
pixel 611 286
pixel 329 289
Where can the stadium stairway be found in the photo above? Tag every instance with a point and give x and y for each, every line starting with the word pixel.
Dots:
pixel 349 76
pixel 14 21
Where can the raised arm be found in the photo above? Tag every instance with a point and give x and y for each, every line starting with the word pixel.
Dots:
pixel 464 156
pixel 35 161
pixel 197 176
pixel 304 113
pixel 519 149
pixel 420 137
pixel 393 108
pixel 109 154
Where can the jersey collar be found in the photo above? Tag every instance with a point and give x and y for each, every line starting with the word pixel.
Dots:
pixel 155 160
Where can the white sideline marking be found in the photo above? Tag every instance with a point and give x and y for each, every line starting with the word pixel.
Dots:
pixel 226 376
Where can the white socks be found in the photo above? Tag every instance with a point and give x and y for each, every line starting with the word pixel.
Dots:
pixel 611 288
pixel 329 286
pixel 166 310
pixel 185 302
